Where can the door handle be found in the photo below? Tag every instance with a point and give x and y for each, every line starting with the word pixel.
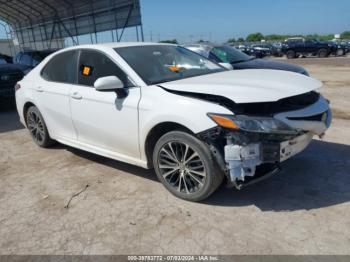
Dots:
pixel 76 95
pixel 39 89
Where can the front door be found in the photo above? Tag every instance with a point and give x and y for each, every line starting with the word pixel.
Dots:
pixel 100 118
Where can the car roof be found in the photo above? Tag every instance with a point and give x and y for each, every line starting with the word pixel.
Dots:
pixel 118 45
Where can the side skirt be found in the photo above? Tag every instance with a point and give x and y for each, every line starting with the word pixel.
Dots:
pixel 103 152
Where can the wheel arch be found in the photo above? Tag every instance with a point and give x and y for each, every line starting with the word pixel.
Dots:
pixel 26 106
pixel 157 132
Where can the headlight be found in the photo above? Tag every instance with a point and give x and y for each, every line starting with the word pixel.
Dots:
pixel 252 124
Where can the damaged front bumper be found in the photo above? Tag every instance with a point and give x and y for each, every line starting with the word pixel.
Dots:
pixel 243 160
pixel 248 157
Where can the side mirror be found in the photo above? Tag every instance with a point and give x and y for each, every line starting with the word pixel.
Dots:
pixel 111 83
pixel 227 66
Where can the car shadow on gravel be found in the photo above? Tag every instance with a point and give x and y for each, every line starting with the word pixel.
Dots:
pixel 134 170
pixel 319 177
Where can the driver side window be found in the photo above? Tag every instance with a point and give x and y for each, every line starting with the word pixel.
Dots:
pixel 94 65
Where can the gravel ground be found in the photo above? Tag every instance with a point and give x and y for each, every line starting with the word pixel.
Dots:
pixel 125 210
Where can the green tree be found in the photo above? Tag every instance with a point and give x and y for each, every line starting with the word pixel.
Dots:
pixel 170 41
pixel 345 35
pixel 275 37
pixel 256 37
pixel 241 39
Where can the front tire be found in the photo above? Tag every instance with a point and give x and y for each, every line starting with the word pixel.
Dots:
pixel 185 166
pixel 37 128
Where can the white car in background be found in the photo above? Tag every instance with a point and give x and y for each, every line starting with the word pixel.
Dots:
pixel 164 107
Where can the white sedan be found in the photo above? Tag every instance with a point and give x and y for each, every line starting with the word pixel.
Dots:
pixel 164 107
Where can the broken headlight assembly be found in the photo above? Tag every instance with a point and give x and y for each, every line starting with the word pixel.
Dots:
pixel 252 124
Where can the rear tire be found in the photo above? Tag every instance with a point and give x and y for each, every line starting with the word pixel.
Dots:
pixel 186 167
pixel 291 54
pixel 322 53
pixel 37 128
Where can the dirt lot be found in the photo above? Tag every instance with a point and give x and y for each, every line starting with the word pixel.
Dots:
pixel 125 210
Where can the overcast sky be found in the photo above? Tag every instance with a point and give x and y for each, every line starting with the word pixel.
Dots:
pixel 218 20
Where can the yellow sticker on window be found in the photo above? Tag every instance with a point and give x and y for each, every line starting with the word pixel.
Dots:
pixel 86 70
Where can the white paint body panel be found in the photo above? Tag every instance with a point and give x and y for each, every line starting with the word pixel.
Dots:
pixel 102 120
pixel 101 123
pixel 248 86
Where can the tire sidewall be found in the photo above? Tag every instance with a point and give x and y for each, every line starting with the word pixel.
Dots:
pixel 291 54
pixel 322 53
pixel 205 155
pixel 47 140
pixel 340 52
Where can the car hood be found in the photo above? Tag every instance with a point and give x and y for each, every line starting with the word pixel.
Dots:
pixel 268 64
pixel 247 86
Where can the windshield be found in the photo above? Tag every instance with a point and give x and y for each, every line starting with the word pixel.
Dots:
pixel 228 54
pixel 163 63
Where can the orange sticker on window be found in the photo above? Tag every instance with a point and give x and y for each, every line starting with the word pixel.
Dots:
pixel 86 70
pixel 174 69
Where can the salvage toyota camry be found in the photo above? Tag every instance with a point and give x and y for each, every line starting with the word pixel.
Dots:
pixel 164 107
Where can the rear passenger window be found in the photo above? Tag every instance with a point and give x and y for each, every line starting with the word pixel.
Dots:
pixel 62 68
pixel 93 65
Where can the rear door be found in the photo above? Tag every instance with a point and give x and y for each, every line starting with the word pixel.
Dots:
pixel 52 93
pixel 100 118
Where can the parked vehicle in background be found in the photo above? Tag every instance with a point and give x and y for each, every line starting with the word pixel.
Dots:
pixel 345 45
pixel 259 50
pixel 5 59
pixel 10 74
pixel 31 58
pixel 244 48
pixel 337 48
pixel 240 60
pixel 195 122
pixel 296 47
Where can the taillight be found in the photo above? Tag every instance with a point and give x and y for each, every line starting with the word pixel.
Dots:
pixel 17 86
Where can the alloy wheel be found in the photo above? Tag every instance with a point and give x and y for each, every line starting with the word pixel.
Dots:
pixel 36 127
pixel 181 167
